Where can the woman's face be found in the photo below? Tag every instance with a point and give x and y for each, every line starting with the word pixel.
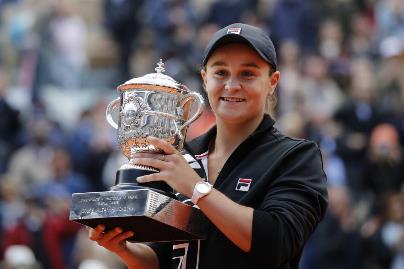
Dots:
pixel 238 81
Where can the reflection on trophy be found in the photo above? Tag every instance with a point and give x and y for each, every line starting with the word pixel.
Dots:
pixel 151 105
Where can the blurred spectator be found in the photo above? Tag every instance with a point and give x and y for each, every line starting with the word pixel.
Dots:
pixel 363 41
pixel 378 255
pixel 338 10
pixel 391 80
pixel 233 9
pixel 167 18
pixel 67 31
pixel 358 116
pixel 91 143
pixel 331 39
pixel 12 207
pixel 321 95
pixel 122 21
pixel 292 124
pixel 389 18
pixel 334 166
pixel 393 230
pixel 333 47
pixel 289 92
pixel 19 257
pixel 63 178
pixel 10 125
pixel 384 165
pixel 46 229
pixel 114 161
pixel 31 163
pixel 295 20
pixel 92 264
pixel 336 244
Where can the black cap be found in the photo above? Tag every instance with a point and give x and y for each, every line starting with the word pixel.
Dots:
pixel 245 33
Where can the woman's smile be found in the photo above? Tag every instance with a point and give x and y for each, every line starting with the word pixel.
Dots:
pixel 230 99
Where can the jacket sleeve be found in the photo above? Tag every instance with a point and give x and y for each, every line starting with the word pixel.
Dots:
pixel 294 204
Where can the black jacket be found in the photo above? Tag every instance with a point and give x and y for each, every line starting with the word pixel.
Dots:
pixel 286 186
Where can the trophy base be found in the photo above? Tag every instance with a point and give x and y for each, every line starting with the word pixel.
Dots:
pixel 126 180
pixel 152 216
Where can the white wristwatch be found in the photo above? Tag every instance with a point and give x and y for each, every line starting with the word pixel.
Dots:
pixel 201 189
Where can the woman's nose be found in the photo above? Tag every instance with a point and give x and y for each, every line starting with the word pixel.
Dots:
pixel 233 83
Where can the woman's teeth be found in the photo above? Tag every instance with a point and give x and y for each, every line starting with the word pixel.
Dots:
pixel 231 99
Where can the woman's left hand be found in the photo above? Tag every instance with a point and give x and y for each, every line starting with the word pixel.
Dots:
pixel 174 169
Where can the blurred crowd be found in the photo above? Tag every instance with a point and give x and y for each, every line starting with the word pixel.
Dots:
pixel 342 85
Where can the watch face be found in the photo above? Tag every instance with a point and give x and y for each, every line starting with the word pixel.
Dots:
pixel 203 188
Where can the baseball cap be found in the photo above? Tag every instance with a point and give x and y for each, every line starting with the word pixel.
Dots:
pixel 252 35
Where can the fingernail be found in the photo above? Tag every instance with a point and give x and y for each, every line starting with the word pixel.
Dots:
pixel 131 233
pixel 140 179
pixel 118 229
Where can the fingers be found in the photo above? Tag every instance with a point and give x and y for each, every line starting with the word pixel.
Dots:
pixel 161 157
pixel 114 237
pixel 161 144
pixel 158 164
pixel 149 178
pixel 111 239
pixel 109 235
pixel 123 236
pixel 96 233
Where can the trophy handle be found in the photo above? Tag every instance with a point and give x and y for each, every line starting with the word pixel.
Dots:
pixel 108 113
pixel 199 100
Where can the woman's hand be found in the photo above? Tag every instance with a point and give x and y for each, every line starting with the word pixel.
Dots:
pixel 134 255
pixel 114 240
pixel 174 169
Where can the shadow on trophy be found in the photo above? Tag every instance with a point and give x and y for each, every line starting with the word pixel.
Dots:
pixel 151 105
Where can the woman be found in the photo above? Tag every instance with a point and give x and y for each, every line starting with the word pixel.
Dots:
pixel 264 193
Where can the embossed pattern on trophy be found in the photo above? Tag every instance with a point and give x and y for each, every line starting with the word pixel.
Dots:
pixel 147 113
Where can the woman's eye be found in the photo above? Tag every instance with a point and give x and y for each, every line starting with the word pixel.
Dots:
pixel 247 74
pixel 220 73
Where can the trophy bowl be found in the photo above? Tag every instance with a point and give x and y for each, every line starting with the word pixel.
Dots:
pixel 152 105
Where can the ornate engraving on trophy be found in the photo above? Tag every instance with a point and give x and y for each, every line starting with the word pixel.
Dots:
pixel 132 112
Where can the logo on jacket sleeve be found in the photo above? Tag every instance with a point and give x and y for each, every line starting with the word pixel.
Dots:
pixel 243 184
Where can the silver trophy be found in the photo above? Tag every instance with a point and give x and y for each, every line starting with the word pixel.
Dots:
pixel 151 105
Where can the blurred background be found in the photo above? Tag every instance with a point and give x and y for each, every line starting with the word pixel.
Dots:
pixel 342 65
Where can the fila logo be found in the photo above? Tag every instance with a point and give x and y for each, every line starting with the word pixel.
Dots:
pixel 234 30
pixel 243 184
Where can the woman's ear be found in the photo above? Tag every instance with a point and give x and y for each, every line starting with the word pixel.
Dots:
pixel 274 79
pixel 203 75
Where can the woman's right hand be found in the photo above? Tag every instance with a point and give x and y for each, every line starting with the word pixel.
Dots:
pixel 134 255
pixel 113 240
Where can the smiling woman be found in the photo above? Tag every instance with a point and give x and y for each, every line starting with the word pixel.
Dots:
pixel 263 192
pixel 238 82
